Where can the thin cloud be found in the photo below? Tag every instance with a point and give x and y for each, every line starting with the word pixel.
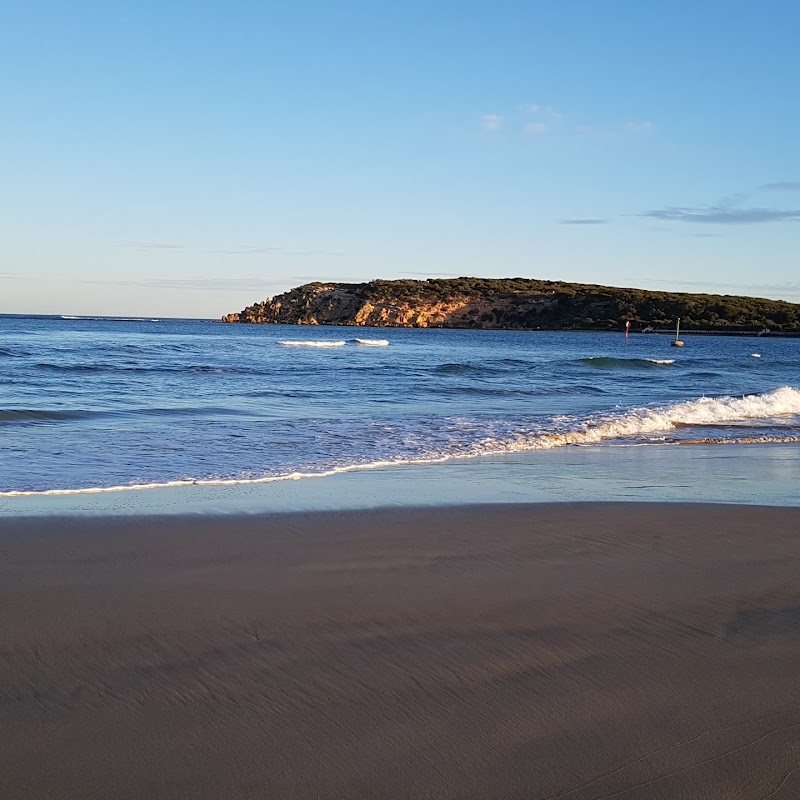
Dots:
pixel 781 186
pixel 636 128
pixel 584 221
pixel 434 274
pixel 311 253
pixel 722 215
pixel 145 246
pixel 204 284
pixel 783 290
pixel 243 250
pixel 535 119
pixel 616 131
pixel 247 251
pixel 544 111
pixel 536 129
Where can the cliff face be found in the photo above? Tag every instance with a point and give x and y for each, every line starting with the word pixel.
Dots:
pixel 514 303
pixel 320 304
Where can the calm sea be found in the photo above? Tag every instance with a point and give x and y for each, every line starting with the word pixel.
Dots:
pixel 100 403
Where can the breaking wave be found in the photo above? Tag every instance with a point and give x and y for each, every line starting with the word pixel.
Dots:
pixel 643 421
pixel 477 437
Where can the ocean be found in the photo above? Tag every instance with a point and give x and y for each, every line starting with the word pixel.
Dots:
pixel 91 405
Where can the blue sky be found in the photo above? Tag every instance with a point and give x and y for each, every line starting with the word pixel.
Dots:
pixel 188 159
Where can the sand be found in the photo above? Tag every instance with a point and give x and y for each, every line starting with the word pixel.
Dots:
pixel 539 652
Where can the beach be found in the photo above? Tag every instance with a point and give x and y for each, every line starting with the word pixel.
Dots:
pixel 542 651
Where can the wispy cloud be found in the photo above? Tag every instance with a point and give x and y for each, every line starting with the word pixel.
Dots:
pixel 536 119
pixel 15 276
pixel 536 128
pixel 434 274
pixel 311 253
pixel 782 290
pixel 781 186
pixel 543 111
pixel 636 128
pixel 241 250
pixel 615 131
pixel 145 246
pixel 184 284
pixel 545 119
pixel 584 221
pixel 723 215
pixel 246 251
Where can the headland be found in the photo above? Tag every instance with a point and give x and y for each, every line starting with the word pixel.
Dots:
pixel 518 303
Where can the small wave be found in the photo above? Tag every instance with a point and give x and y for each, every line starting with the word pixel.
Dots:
pixel 461 369
pixel 33 415
pixel 75 367
pixel 516 362
pixel 372 342
pixel 301 343
pixel 39 415
pixel 178 368
pixel 5 353
pixel 756 355
pixel 608 362
pixel 292 476
pixel 68 316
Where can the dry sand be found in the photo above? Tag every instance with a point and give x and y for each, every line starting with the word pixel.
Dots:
pixel 578 652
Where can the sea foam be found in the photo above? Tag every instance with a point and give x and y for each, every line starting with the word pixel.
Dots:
pixel 303 343
pixel 642 421
pixel 623 428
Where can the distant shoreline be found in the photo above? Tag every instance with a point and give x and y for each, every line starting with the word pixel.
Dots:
pixel 516 304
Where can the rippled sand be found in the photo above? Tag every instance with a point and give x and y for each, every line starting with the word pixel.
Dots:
pixel 575 651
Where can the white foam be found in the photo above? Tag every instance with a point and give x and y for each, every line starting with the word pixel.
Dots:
pixel 293 476
pixel 372 342
pixel 661 360
pixel 756 355
pixel 302 343
pixel 626 425
pixel 706 410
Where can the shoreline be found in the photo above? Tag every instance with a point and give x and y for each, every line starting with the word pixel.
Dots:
pixel 759 474
pixel 503 651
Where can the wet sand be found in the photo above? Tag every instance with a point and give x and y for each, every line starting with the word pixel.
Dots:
pixel 539 652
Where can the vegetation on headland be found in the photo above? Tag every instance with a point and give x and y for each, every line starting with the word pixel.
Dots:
pixel 517 303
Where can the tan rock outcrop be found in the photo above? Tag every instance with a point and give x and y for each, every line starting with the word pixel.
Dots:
pixel 322 304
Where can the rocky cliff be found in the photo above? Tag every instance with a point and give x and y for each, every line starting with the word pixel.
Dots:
pixel 512 303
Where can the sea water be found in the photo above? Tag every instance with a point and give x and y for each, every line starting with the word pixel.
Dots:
pixel 109 405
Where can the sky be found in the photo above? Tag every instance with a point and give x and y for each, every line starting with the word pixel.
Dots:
pixel 188 159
